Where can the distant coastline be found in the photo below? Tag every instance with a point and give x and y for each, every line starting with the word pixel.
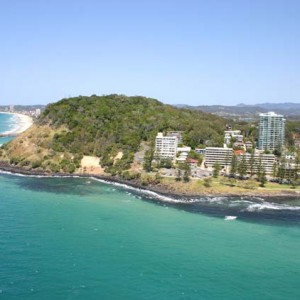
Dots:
pixel 24 122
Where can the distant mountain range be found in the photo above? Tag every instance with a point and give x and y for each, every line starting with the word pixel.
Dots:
pixel 248 111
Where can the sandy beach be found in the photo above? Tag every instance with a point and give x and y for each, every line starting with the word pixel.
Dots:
pixel 23 123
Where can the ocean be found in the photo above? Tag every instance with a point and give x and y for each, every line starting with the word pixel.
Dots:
pixel 8 122
pixel 74 238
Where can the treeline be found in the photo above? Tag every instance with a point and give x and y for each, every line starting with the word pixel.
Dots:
pixel 292 132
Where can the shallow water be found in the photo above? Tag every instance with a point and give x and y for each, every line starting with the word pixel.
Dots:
pixel 84 239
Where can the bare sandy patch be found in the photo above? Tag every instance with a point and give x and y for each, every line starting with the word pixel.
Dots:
pixel 118 156
pixel 90 165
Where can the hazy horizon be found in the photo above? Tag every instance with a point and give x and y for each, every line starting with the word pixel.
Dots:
pixel 195 53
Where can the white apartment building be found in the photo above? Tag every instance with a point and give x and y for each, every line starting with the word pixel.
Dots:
pixel 178 134
pixel 229 134
pixel 267 161
pixel 222 156
pixel 166 146
pixel 271 131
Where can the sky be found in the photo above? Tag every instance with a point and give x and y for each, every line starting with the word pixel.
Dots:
pixel 180 52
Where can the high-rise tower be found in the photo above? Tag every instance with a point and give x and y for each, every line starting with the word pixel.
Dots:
pixel 271 131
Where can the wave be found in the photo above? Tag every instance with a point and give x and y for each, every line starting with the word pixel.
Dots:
pixel 150 194
pixel 270 206
pixel 230 218
pixel 232 204
pixel 38 176
pixel 11 124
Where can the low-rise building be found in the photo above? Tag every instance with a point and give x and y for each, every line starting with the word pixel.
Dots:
pixel 193 163
pixel 182 154
pixel 267 161
pixel 186 149
pixel 222 156
pixel 232 134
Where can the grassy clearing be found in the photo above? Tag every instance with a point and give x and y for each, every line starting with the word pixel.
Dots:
pixel 225 186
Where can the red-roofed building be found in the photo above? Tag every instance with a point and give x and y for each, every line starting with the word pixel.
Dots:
pixel 239 152
pixel 192 161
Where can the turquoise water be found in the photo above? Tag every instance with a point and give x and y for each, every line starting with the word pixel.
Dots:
pixel 8 122
pixel 83 239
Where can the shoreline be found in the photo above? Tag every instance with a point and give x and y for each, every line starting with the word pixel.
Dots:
pixel 159 189
pixel 23 123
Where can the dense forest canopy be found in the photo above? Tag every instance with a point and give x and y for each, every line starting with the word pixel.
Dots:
pixel 99 124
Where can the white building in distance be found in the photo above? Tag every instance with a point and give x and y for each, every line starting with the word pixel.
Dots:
pixel 166 146
pixel 232 134
pixel 37 112
pixel 271 131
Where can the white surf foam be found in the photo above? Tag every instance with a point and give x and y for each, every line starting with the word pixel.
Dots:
pixel 252 207
pixel 149 194
pixel 270 206
pixel 230 218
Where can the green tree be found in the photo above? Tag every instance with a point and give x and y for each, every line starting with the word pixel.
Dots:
pixel 148 159
pixel 165 163
pixel 252 163
pixel 178 175
pixel 259 168
pixel 242 167
pixel 263 178
pixel 227 162
pixel 233 165
pixel 275 170
pixel 216 169
pixel 186 173
pixel 207 182
pixel 297 165
pixel 282 168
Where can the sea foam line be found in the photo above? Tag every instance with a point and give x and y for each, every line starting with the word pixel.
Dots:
pixel 151 194
pixel 270 206
pixel 141 191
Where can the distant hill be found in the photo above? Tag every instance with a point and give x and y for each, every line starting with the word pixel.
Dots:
pixel 284 107
pixel 105 127
pixel 244 110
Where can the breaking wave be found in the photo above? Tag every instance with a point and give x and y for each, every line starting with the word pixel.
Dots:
pixel 241 207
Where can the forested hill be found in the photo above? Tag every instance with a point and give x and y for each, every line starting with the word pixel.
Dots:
pixel 103 125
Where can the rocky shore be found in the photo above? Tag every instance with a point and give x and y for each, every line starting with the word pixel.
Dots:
pixel 161 189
